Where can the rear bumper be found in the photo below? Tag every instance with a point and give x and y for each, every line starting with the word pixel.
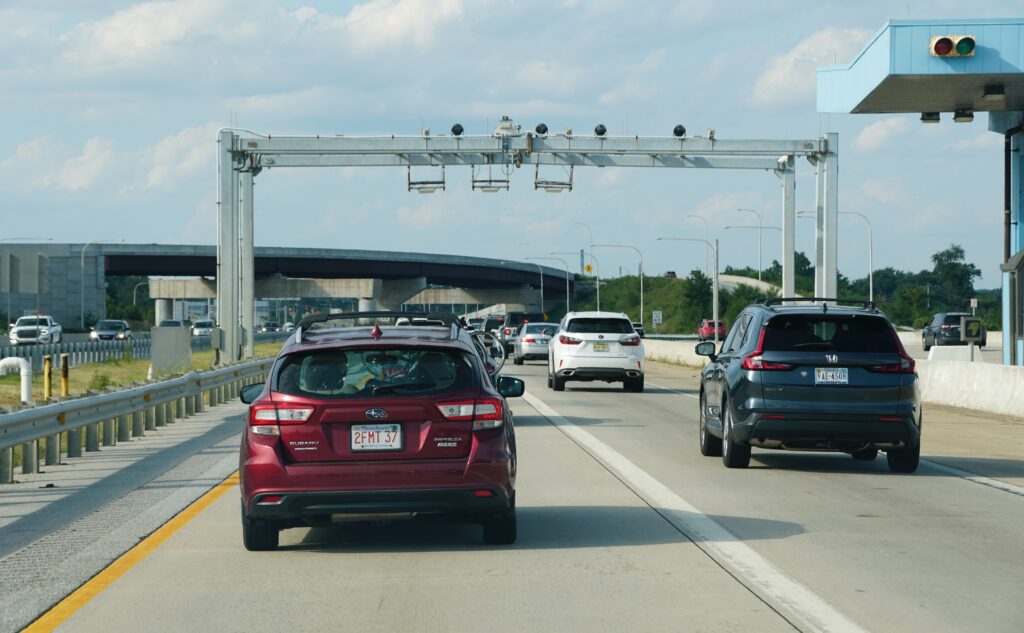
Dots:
pixel 533 351
pixel 608 374
pixel 377 503
pixel 828 431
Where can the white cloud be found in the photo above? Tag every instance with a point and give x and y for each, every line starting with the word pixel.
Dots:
pixel 886 191
pixel 875 136
pixel 180 155
pixel 791 79
pixel 640 85
pixel 982 141
pixel 82 171
pixel 380 24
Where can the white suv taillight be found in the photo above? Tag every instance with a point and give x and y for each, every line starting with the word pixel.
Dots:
pixel 630 341
pixel 485 413
pixel 266 418
pixel 568 340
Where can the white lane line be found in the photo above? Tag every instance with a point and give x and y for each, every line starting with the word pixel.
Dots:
pixel 688 395
pixel 799 605
pixel 978 479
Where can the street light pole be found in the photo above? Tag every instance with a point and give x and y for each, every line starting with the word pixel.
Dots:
pixel 871 262
pixel 136 288
pixel 707 236
pixel 82 285
pixel 760 240
pixel 566 264
pixel 714 278
pixel 641 273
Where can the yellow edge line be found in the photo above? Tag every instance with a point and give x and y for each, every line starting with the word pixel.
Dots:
pixel 81 596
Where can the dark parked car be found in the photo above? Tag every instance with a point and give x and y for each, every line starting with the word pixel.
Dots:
pixel 381 423
pixel 810 377
pixel 110 330
pixel 944 329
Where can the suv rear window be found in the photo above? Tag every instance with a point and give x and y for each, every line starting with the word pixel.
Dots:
pixel 841 333
pixel 546 328
pixel 492 324
pixel 598 325
pixel 356 373
pixel 953 319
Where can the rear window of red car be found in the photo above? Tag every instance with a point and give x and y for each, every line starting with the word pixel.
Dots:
pixel 364 373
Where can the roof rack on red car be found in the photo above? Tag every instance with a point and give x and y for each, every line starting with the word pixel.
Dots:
pixel 772 301
pixel 444 319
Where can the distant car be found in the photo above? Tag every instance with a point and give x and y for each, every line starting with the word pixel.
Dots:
pixel 35 329
pixel 493 323
pixel 513 321
pixel 706 330
pixel 288 327
pixel 110 330
pixel 592 346
pixel 171 323
pixel 270 326
pixel 376 424
pixel 670 274
pixel 944 329
pixel 475 322
pixel 532 342
pixel 639 327
pixel 202 328
pixel 799 377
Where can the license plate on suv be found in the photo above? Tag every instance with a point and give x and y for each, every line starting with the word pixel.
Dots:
pixel 600 347
pixel 376 437
pixel 831 376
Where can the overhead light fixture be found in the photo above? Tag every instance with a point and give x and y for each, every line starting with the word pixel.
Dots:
pixel 457 129
pixel 679 131
pixel 994 93
pixel 426 189
pixel 963 116
pixel 929 117
pixel 600 130
pixel 542 129
pixel 489 189
pixel 424 186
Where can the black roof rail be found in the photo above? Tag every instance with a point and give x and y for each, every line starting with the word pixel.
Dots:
pixel 771 301
pixel 446 319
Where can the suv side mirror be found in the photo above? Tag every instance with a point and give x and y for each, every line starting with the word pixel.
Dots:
pixel 706 348
pixel 249 393
pixel 511 387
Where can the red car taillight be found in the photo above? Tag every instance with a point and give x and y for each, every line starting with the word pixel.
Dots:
pixel 529 340
pixel 568 340
pixel 945 327
pixel 508 331
pixel 485 413
pixel 265 418
pixel 907 365
pixel 630 341
pixel 755 362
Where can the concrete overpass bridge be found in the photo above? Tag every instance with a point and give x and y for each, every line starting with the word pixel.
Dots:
pixel 66 280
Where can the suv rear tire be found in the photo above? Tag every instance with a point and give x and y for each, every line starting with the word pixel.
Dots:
pixel 517 360
pixel 710 446
pixel 558 384
pixel 904 460
pixel 634 385
pixel 734 454
pixel 257 535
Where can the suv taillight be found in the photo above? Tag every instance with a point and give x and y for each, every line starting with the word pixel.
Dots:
pixel 568 340
pixel 907 365
pixel 485 413
pixel 755 362
pixel 630 341
pixel 265 418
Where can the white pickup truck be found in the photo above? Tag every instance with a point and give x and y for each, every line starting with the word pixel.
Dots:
pixel 35 329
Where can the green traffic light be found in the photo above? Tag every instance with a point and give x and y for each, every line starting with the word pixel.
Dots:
pixel 965 46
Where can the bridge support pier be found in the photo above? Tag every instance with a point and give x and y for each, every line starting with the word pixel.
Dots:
pixel 164 309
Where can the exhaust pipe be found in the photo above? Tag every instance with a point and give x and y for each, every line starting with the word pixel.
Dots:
pixel 632 374
pixel 568 372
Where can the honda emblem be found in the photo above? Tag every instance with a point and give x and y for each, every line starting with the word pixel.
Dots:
pixel 832 358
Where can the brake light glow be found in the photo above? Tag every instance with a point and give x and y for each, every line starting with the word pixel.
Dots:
pixel 529 339
pixel 907 365
pixel 568 340
pixel 483 493
pixel 945 326
pixel 508 330
pixel 270 499
pixel 884 419
pixel 630 341
pixel 754 360
pixel 485 413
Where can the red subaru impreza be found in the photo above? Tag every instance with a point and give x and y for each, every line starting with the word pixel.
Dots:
pixel 378 423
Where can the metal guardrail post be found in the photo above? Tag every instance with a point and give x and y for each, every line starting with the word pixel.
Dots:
pixel 199 402
pixel 47 377
pixel 168 413
pixel 74 443
pixel 92 438
pixel 30 457
pixel 52 449
pixel 137 424
pixel 124 428
pixel 109 437
pixel 190 406
pixel 185 407
pixel 160 414
pixel 7 465
pixel 150 414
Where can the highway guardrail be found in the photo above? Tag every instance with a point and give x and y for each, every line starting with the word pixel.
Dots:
pixel 121 414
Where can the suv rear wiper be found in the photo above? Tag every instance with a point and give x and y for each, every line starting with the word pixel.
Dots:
pixel 398 385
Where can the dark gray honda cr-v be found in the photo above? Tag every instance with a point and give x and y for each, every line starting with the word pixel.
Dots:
pixel 819 377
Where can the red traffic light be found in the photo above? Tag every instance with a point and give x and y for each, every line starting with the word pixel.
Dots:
pixel 952 46
pixel 942 46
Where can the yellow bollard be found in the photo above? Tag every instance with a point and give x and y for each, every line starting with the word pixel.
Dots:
pixel 63 375
pixel 47 377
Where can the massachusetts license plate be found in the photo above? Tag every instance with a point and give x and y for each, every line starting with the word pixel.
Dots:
pixel 376 437
pixel 600 347
pixel 831 376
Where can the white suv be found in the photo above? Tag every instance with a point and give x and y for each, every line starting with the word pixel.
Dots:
pixel 596 346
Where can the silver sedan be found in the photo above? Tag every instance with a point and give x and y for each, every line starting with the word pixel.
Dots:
pixel 532 342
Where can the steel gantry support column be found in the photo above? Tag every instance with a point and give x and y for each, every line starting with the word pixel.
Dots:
pixel 227 247
pixel 831 217
pixel 787 172
pixel 819 228
pixel 246 268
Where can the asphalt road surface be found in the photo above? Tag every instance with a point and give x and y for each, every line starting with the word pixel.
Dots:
pixel 623 526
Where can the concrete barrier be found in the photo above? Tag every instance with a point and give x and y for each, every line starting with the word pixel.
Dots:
pixel 994 340
pixel 986 387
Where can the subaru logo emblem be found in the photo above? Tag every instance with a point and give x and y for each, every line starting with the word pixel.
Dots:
pixel 832 358
pixel 376 414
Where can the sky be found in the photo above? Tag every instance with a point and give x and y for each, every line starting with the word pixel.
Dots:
pixel 109 111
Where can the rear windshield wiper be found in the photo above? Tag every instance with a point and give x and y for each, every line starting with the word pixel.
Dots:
pixel 400 385
pixel 824 344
